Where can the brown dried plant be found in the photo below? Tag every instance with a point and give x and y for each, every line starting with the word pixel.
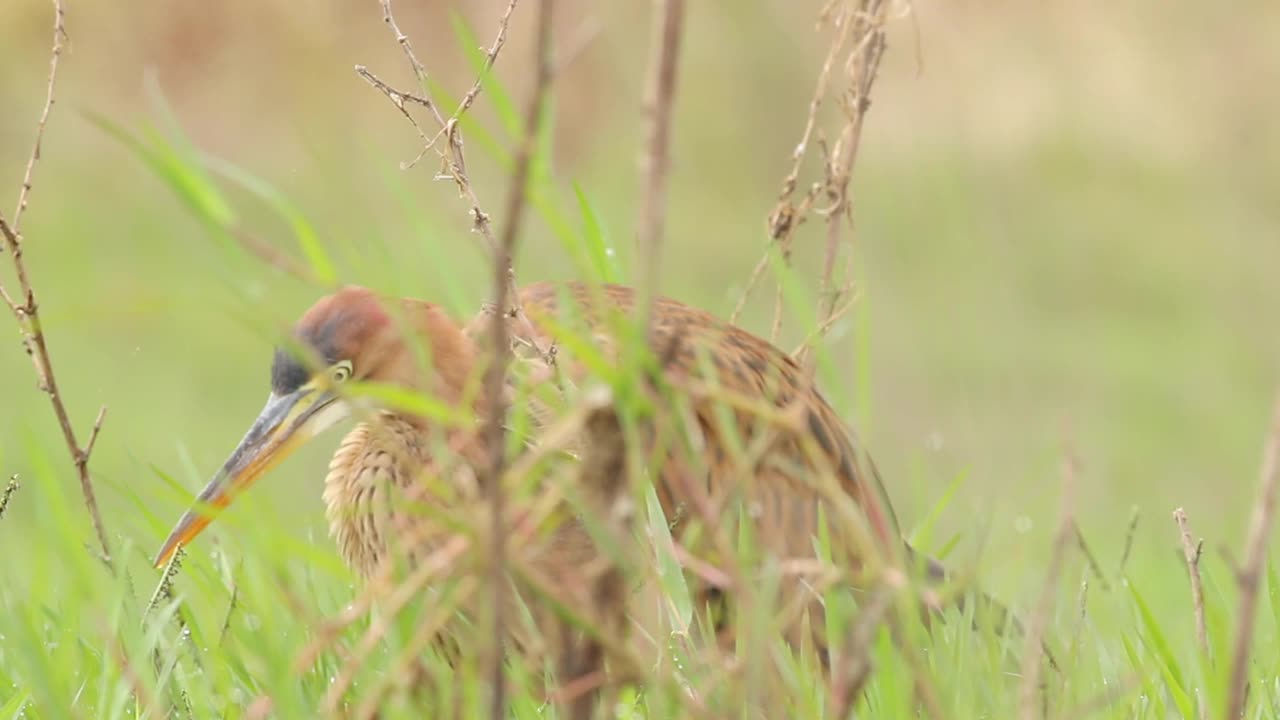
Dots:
pixel 1249 574
pixel 857 46
pixel 496 374
pixel 25 305
pixel 452 159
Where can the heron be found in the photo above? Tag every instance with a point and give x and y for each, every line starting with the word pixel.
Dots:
pixel 764 467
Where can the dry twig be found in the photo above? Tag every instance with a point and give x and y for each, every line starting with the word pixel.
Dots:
pixel 1249 575
pixel 59 34
pixel 453 162
pixel 26 308
pixel 655 161
pixel 859 39
pixel 869 41
pixel 490 56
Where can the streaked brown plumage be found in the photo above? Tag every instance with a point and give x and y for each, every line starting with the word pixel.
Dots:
pixel 358 336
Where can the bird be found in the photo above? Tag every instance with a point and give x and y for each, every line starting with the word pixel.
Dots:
pixel 762 446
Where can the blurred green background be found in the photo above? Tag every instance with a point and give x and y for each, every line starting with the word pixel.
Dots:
pixel 1067 230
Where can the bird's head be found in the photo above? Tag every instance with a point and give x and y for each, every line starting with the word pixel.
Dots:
pixel 349 335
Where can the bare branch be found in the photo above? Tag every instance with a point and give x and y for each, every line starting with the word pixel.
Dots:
pixel 1250 574
pixel 495 379
pixel 399 98
pixel 419 71
pixel 93 435
pixel 869 39
pixel 451 158
pixel 857 45
pixel 490 57
pixel 655 161
pixel 26 308
pixel 59 35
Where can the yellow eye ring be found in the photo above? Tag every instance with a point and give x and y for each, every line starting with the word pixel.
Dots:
pixel 340 372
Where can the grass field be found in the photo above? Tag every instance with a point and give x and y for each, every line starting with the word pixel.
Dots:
pixel 1065 242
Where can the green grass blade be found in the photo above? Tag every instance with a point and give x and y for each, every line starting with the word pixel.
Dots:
pixel 599 253
pixel 1167 661
pixel 13 707
pixel 308 240
pixel 181 173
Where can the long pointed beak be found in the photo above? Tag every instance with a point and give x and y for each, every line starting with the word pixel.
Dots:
pixel 285 424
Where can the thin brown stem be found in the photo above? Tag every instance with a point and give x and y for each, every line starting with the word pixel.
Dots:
pixel 419 70
pixel 399 98
pixel 1039 622
pixel 495 380
pixel 655 161
pixel 26 308
pixel 859 38
pixel 1249 576
pixel 1191 553
pixel 490 57
pixel 786 215
pixel 869 38
pixel 59 34
pixel 453 161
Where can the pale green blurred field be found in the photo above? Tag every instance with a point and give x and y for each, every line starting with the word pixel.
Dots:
pixel 1068 224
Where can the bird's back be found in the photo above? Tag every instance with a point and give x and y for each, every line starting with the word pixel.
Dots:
pixel 765 435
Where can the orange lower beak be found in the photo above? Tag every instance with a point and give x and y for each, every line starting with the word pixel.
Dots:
pixel 285 424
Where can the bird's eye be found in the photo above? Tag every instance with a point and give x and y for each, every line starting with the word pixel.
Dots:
pixel 340 372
